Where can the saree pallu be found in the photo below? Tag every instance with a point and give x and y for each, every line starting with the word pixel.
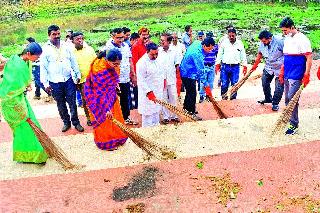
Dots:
pixel 101 97
pixel 16 109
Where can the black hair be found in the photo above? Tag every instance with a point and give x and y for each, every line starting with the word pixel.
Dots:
pixel 151 46
pixel 287 22
pixel 208 42
pixel 265 34
pixel 209 34
pixel 53 28
pixel 75 35
pixel 187 28
pixel 168 35
pixel 30 39
pixel 113 55
pixel 33 48
pixel 116 31
pixel 232 30
pixel 125 30
pixel 134 36
pixel 229 26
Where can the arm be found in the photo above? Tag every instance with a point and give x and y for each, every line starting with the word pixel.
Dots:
pixel 75 73
pixel 199 63
pixel 141 77
pixel 243 57
pixel 257 61
pixel 133 76
pixel 44 63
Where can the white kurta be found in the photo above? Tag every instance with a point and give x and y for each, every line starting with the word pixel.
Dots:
pixel 149 78
pixel 168 61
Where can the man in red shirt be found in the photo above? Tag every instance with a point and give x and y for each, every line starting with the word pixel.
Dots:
pixel 138 50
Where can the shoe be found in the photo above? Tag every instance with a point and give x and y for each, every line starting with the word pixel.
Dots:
pixel 79 128
pixel 176 120
pixel 196 117
pixel 89 123
pixel 36 97
pixel 165 121
pixel 65 127
pixel 201 99
pixel 291 130
pixel 264 102
pixel 275 107
pixel 48 99
pixel 128 121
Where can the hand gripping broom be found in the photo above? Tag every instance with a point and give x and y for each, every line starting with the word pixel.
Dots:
pixel 286 113
pixel 151 148
pixel 176 110
pixel 51 148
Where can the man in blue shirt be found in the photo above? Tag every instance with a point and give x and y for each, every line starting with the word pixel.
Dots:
pixel 191 68
pixel 271 49
pixel 187 36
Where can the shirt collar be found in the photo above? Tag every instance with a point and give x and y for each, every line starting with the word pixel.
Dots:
pixel 114 44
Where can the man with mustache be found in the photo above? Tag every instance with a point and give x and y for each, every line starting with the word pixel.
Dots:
pixel 271 49
pixel 138 50
pixel 59 73
pixel 231 53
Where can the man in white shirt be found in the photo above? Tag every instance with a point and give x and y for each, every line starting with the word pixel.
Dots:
pixel 127 73
pixel 169 62
pixel 150 80
pixel 231 53
pixel 59 72
pixel 181 49
pixel 296 66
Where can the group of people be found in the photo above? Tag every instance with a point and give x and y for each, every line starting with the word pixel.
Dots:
pixel 140 72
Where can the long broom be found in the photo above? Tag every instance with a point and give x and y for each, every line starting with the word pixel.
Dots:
pixel 237 86
pixel 287 112
pixel 217 108
pixel 176 110
pixel 50 147
pixel 151 148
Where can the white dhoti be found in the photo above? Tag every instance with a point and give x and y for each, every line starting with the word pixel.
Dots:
pixel 170 96
pixel 151 120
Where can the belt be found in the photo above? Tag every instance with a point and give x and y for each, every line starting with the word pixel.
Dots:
pixel 231 65
pixel 208 64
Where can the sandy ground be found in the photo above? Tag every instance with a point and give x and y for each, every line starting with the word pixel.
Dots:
pixel 202 138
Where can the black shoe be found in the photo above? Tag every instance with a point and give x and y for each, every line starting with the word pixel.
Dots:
pixel 264 102
pixel 66 127
pixel 79 128
pixel 89 123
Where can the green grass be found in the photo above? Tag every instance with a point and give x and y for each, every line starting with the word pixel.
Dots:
pixel 249 19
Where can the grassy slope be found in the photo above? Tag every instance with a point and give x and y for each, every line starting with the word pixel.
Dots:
pixel 249 18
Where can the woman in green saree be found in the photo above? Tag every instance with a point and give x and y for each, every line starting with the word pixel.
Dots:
pixel 16 108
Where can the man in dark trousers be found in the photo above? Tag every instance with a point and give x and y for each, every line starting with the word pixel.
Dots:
pixel 59 73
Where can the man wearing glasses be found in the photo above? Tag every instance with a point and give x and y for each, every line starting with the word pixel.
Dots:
pixel 127 73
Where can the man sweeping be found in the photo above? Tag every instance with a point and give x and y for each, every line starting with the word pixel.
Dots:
pixel 150 80
pixel 296 68
pixel 271 50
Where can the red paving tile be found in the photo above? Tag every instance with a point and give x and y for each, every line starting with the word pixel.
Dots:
pixel 235 108
pixel 286 172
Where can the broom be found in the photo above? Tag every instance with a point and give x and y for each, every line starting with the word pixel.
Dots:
pixel 152 149
pixel 237 86
pixel 176 110
pixel 50 147
pixel 217 108
pixel 287 112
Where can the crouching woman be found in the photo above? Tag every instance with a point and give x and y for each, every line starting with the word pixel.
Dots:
pixel 101 96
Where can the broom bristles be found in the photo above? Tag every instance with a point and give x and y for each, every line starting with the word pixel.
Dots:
pixel 176 110
pixel 286 113
pixel 50 147
pixel 151 148
pixel 217 108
